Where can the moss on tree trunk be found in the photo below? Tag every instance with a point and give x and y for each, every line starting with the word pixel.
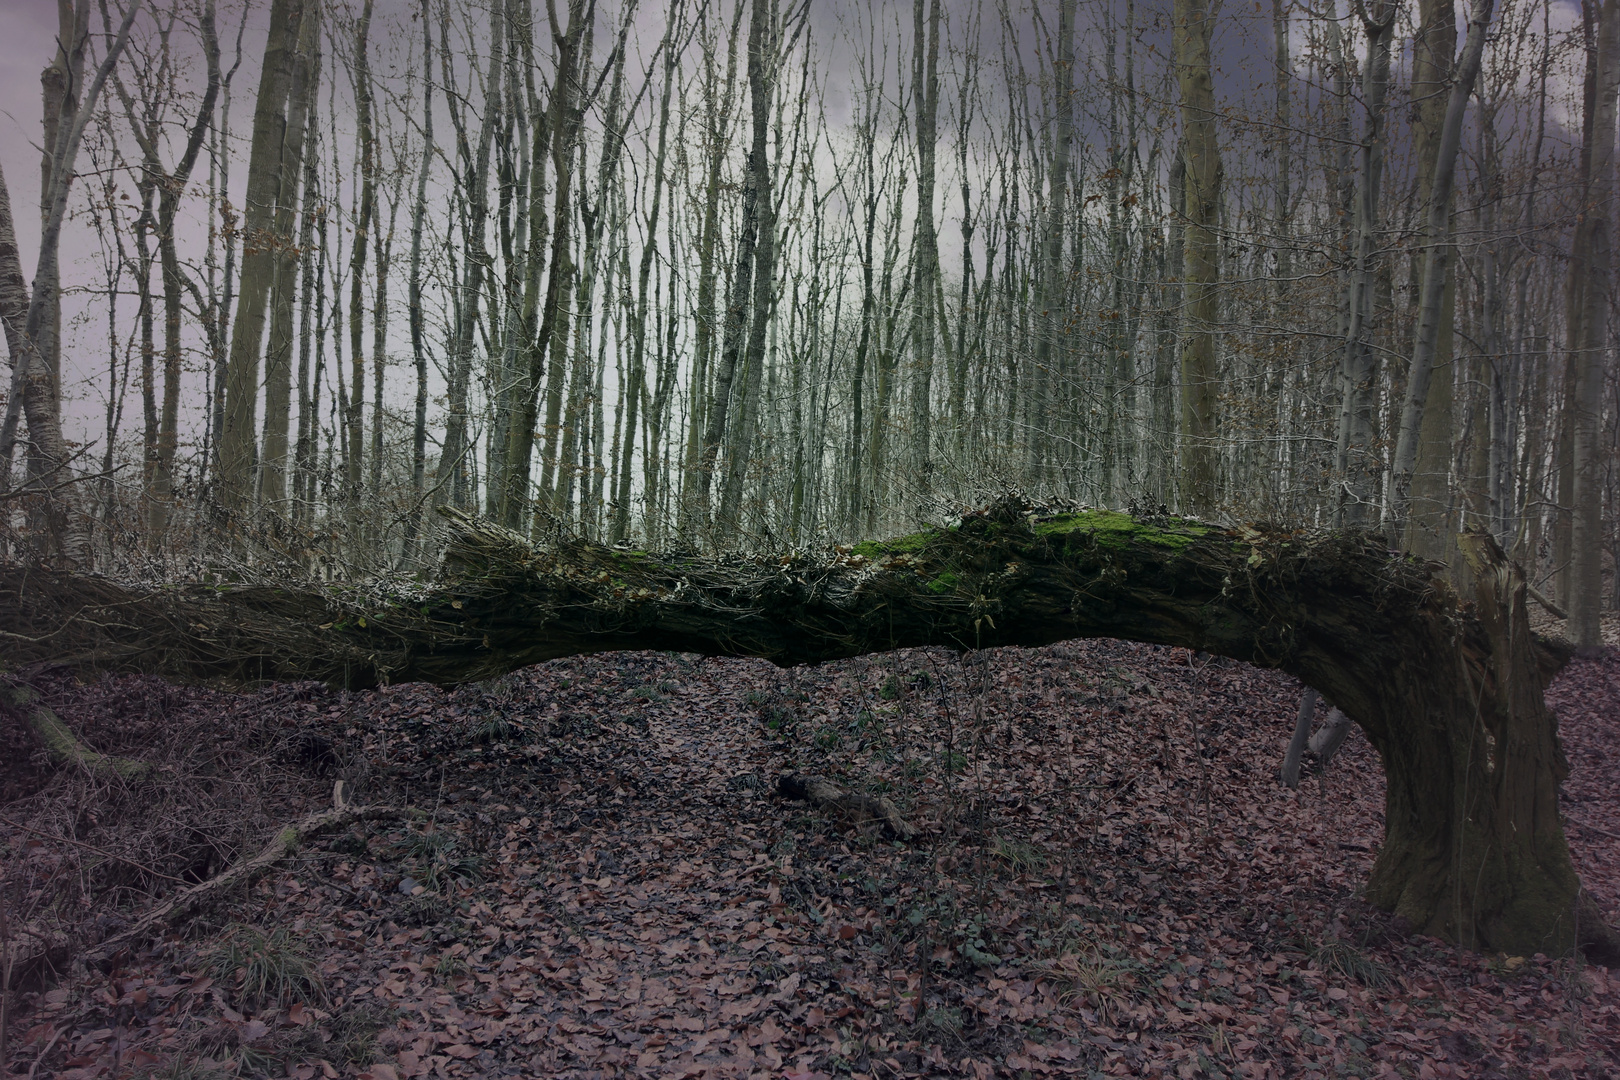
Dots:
pixel 1450 693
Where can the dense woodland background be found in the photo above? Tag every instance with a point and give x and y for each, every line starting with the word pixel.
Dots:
pixel 776 273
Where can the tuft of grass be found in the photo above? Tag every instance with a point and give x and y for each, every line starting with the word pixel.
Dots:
pixel 1343 958
pixel 439 860
pixel 1091 980
pixel 427 845
pixel 941 1021
pixel 453 867
pixel 1022 858
pixel 350 843
pixel 265 968
pixel 354 1034
pixel 496 728
pixel 181 1067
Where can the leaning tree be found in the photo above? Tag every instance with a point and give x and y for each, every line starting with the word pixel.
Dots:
pixel 1447 688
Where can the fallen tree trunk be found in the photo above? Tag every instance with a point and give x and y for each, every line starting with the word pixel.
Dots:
pixel 1450 693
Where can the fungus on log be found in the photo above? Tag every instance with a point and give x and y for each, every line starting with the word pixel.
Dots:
pixel 1448 691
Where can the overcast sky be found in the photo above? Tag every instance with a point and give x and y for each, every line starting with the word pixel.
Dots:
pixel 26 45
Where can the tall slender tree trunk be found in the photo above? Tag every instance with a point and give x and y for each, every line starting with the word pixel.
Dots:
pixel 309 315
pixel 1586 402
pixel 168 435
pixel 867 150
pixel 762 64
pixel 717 136
pixel 925 102
pixel 1052 306
pixel 550 355
pixel 364 222
pixel 284 279
pixel 237 450
pixel 638 327
pixel 382 255
pixel 413 290
pixel 452 470
pixel 754 204
pixel 1357 467
pixel 35 378
pixel 1432 523
pixel 1436 260
pixel 1190 46
pixel 13 317
pixel 1167 351
pixel 1574 311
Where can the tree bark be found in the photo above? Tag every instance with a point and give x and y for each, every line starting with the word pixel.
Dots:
pixel 35 372
pixel 718 105
pixel 1450 694
pixel 284 269
pixel 1356 466
pixel 550 354
pixel 14 317
pixel 413 288
pixel 1436 261
pixel 1585 405
pixel 925 100
pixel 1051 308
pixel 171 190
pixel 1432 522
pixel 237 450
pixel 364 222
pixel 638 328
pixel 755 203
pixel 1190 44
pixel 452 467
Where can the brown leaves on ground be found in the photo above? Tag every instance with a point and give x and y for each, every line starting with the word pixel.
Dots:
pixel 1111 881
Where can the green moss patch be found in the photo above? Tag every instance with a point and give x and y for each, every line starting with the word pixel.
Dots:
pixel 900 545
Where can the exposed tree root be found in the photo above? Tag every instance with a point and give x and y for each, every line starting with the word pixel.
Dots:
pixel 59 742
pixel 853 808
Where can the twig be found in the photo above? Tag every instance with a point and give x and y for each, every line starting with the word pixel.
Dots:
pixel 286 839
pixel 1536 595
pixel 1593 828
pixel 54 1036
pixel 23 492
pixel 91 847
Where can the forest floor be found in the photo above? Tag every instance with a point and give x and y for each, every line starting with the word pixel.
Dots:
pixel 603 882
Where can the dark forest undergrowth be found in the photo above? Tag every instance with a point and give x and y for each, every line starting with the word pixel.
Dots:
pixel 602 881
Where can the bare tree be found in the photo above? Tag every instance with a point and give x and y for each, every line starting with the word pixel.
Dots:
pixel 35 379
pixel 1200 151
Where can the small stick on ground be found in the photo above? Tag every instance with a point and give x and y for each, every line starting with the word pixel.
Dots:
pixel 284 843
pixel 857 809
